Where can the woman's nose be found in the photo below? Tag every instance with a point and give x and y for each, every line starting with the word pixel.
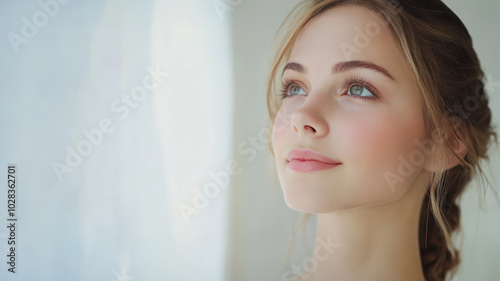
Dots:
pixel 310 119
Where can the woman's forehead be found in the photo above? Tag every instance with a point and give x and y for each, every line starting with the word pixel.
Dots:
pixel 348 33
pixel 343 31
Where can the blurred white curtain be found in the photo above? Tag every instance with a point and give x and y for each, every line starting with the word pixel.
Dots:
pixel 141 91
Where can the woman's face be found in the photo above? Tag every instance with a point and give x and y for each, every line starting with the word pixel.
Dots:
pixel 340 56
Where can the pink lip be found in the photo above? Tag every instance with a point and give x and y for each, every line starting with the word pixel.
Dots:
pixel 305 160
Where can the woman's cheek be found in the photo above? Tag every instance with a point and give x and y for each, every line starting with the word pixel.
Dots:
pixel 278 133
pixel 370 145
pixel 363 137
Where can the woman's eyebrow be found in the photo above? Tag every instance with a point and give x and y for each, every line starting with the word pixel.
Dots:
pixel 341 67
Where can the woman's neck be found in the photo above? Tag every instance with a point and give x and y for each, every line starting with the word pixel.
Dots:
pixel 369 243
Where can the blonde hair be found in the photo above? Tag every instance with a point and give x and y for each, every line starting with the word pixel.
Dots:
pixel 439 51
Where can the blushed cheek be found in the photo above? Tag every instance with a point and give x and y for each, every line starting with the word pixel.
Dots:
pixel 369 143
pixel 374 147
pixel 363 140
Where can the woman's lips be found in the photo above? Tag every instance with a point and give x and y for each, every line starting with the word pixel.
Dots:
pixel 306 160
pixel 309 165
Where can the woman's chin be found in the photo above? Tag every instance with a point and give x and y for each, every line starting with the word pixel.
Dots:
pixel 310 205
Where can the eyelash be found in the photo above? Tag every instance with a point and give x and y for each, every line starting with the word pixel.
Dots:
pixel 350 81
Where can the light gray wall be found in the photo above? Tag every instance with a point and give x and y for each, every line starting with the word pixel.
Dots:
pixel 261 221
pixel 481 228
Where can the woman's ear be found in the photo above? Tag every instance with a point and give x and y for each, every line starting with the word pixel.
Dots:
pixel 459 148
pixel 433 164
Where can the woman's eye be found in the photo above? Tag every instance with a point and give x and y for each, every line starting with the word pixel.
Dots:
pixel 296 90
pixel 359 90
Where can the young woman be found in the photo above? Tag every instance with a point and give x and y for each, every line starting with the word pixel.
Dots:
pixel 379 119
